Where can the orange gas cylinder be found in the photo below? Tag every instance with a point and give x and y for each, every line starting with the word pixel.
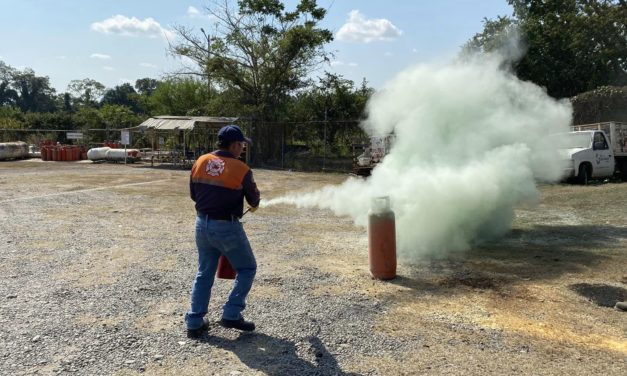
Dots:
pixel 44 155
pixel 55 153
pixel 382 239
pixel 225 270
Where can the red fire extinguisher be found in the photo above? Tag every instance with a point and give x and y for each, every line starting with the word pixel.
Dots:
pixel 225 270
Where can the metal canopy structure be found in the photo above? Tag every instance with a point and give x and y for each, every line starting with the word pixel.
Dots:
pixel 193 135
pixel 183 122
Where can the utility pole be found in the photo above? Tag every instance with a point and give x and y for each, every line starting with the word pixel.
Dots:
pixel 208 37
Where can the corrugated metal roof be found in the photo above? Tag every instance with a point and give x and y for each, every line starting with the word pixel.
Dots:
pixel 184 122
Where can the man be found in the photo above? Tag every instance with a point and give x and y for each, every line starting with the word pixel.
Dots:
pixel 219 183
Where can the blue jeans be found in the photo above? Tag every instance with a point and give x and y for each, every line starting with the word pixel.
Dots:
pixel 215 238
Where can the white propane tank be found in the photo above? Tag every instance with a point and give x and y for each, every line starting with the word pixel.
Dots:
pixel 97 154
pixel 119 155
pixel 115 155
pixel 13 150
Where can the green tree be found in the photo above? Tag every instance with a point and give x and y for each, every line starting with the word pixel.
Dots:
pixel 261 50
pixel 146 86
pixel 88 118
pixel 178 96
pixel 86 92
pixel 334 100
pixel 8 96
pixel 123 95
pixel 118 117
pixel 572 45
pixel 34 92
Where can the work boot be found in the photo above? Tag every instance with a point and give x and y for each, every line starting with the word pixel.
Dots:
pixel 241 324
pixel 622 306
pixel 198 332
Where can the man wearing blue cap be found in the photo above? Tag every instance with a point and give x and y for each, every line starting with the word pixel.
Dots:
pixel 219 183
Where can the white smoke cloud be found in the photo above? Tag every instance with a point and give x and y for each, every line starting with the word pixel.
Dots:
pixel 470 145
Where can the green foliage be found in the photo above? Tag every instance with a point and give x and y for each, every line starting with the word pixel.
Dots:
pixel 34 93
pixel 47 120
pixel 607 103
pixel 88 118
pixel 115 116
pixel 495 35
pixel 86 92
pixel 262 53
pixel 572 45
pixel 123 95
pixel 146 86
pixel 178 96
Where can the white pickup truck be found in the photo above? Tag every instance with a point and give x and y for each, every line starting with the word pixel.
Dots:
pixel 374 151
pixel 595 151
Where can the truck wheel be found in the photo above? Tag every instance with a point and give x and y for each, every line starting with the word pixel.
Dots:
pixel 623 171
pixel 583 175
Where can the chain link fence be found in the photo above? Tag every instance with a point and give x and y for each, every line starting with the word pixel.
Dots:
pixel 307 146
pixel 302 146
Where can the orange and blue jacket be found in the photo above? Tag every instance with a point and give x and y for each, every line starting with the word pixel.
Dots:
pixel 219 183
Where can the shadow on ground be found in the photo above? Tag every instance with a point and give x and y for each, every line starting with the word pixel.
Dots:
pixel 538 253
pixel 600 294
pixel 275 356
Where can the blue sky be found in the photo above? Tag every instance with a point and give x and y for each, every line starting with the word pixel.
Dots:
pixel 117 41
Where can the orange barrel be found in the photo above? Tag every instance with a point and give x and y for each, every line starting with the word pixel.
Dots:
pixel 225 270
pixel 48 153
pixel 63 154
pixel 44 157
pixel 77 153
pixel 382 239
pixel 55 153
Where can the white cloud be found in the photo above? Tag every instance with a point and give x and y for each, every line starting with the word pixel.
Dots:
pixel 100 56
pixel 360 29
pixel 108 68
pixel 132 26
pixel 148 65
pixel 193 12
pixel 337 63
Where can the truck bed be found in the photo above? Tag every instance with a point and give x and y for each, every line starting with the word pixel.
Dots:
pixel 616 131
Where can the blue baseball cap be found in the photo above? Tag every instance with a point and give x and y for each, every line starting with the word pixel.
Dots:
pixel 230 133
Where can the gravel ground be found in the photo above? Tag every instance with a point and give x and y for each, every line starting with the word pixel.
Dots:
pixel 97 262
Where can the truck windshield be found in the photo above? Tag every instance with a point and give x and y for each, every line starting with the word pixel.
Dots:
pixel 572 140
